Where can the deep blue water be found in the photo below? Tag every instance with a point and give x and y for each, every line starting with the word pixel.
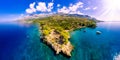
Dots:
pixel 21 42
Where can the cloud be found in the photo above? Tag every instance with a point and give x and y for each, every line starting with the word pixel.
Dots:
pixel 32 5
pixel 76 12
pixel 64 10
pixel 41 7
pixel 95 8
pixel 50 6
pixel 31 8
pixel 29 11
pixel 88 8
pixel 58 5
pixel 76 6
pixel 47 8
pixel 72 9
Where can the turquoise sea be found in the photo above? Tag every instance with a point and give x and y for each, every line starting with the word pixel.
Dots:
pixel 21 42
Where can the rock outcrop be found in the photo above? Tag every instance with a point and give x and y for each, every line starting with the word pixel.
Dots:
pixel 55 30
pixel 55 40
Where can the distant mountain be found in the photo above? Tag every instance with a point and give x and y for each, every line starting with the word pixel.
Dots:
pixel 34 16
pixel 79 16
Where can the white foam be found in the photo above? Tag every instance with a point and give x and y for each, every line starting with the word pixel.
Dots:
pixel 116 57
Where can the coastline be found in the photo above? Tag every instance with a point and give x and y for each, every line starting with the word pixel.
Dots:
pixel 57 34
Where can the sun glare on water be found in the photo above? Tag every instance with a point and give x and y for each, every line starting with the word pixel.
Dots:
pixel 111 9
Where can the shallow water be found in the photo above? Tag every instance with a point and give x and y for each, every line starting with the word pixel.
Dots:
pixel 90 46
pixel 21 42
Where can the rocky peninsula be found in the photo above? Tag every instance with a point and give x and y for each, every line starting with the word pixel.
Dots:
pixel 55 31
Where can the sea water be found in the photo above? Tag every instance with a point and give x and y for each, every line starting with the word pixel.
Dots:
pixel 22 42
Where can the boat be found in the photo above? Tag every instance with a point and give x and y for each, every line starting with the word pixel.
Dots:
pixel 98 32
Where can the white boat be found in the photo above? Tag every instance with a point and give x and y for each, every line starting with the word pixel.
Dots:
pixel 98 32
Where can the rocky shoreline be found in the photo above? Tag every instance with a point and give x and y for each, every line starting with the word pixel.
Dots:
pixel 55 31
pixel 55 40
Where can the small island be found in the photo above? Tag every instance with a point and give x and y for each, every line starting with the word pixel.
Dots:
pixel 55 30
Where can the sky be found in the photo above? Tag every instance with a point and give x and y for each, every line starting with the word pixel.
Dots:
pixel 106 10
